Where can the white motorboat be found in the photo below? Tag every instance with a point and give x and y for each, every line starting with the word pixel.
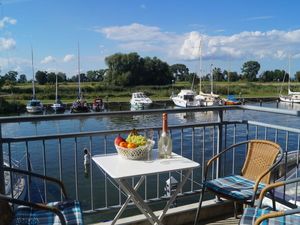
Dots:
pixel 140 100
pixel 186 98
pixel 34 105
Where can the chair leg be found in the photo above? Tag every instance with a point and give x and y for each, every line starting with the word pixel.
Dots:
pixel 235 211
pixel 199 206
pixel 273 199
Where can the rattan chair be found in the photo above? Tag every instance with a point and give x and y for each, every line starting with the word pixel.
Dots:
pixel 66 212
pixel 259 215
pixel 262 156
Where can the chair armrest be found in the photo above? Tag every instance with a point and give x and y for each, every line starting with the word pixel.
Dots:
pixel 276 214
pixel 275 185
pixel 38 176
pixel 219 154
pixel 36 206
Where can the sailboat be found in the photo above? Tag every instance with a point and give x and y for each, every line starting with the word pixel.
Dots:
pixel 79 105
pixel 187 97
pixel 57 106
pixel 292 96
pixel 34 105
pixel 207 99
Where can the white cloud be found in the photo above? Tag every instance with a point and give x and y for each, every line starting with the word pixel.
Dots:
pixel 7 43
pixel 7 20
pixel 259 18
pixel 69 58
pixel 272 44
pixel 135 32
pixel 48 59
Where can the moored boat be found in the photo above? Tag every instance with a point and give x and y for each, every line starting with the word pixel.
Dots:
pixel 79 105
pixel 291 97
pixel 140 100
pixel 186 98
pixel 57 106
pixel 231 100
pixel 34 105
pixel 98 105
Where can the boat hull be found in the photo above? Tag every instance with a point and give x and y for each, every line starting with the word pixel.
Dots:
pixel 80 109
pixel 184 104
pixel 290 99
pixel 58 107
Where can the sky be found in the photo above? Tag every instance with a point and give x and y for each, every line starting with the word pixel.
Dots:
pixel 223 33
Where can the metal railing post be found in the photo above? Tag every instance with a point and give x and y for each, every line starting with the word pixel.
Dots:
pixel 2 181
pixel 219 141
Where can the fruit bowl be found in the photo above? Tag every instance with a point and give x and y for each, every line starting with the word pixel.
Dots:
pixel 135 153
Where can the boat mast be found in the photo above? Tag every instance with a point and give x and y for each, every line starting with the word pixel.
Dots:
pixel 211 79
pixel 56 92
pixel 33 88
pixel 289 83
pixel 79 89
pixel 200 65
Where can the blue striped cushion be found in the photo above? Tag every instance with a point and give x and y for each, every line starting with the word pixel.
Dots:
pixel 251 214
pixel 234 186
pixel 27 216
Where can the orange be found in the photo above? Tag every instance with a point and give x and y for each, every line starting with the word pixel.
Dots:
pixel 123 144
pixel 131 145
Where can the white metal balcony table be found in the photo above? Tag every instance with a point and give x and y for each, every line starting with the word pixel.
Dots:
pixel 121 169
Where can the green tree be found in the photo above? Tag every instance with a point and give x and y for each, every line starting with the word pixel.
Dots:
pixel 250 70
pixel 131 69
pixel 61 77
pixel 180 72
pixel 51 77
pixel 95 75
pixel 22 78
pixel 11 76
pixel 276 75
pixel 218 75
pixel 41 77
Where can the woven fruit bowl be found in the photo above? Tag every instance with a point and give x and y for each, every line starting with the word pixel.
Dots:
pixel 135 153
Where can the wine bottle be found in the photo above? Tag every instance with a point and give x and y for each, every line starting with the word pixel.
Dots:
pixel 165 141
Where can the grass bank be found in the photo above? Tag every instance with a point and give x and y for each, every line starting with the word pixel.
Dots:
pixel 21 93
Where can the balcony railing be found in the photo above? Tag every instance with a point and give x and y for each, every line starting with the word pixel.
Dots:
pixel 61 154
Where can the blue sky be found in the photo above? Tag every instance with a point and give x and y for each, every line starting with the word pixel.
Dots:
pixel 231 33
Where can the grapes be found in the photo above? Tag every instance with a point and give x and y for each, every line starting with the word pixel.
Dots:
pixel 139 140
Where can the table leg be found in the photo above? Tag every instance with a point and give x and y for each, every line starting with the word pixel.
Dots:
pixel 173 196
pixel 139 202
pixel 141 180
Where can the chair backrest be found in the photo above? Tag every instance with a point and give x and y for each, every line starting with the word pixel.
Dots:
pixel 260 157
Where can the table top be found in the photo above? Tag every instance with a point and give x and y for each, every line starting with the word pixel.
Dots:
pixel 117 167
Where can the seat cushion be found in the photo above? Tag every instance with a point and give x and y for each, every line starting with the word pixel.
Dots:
pixel 251 214
pixel 235 187
pixel 70 209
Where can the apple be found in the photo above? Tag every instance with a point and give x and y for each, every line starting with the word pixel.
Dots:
pixel 118 140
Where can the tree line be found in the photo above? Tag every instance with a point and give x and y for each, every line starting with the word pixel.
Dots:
pixel 131 70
